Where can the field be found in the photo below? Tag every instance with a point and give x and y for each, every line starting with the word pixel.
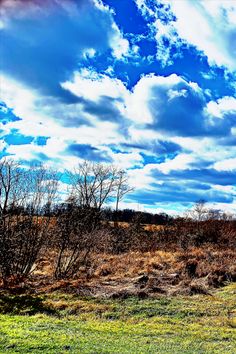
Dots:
pixel 119 289
pixel 66 323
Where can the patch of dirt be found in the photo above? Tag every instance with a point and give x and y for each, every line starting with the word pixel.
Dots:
pixel 142 286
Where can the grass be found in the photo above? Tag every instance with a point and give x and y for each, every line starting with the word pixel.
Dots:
pixel 66 323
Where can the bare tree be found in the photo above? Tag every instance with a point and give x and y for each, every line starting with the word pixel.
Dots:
pixel 93 185
pixel 122 187
pixel 23 230
pixel 76 229
pixel 199 212
pixel 11 185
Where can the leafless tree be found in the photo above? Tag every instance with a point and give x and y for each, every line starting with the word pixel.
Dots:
pixel 23 230
pixel 199 211
pixel 122 187
pixel 76 229
pixel 93 185
pixel 11 187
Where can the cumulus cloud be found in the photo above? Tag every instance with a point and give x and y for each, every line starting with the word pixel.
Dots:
pixel 77 87
pixel 176 107
pixel 39 116
pixel 180 162
pixel 222 106
pixel 207 25
pixel 210 26
pixel 51 38
pixel 99 95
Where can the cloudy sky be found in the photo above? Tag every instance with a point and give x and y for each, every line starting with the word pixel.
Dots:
pixel 145 84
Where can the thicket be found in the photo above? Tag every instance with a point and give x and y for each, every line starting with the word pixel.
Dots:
pixel 32 220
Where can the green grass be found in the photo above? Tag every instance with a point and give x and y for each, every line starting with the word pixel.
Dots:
pixel 62 323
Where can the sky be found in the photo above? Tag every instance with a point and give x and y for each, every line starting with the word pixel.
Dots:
pixel 147 85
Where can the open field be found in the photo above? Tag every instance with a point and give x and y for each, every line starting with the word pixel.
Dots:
pixel 74 284
pixel 67 323
pixel 148 293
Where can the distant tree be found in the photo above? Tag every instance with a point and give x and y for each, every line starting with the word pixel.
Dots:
pixel 122 187
pixel 199 211
pixel 93 184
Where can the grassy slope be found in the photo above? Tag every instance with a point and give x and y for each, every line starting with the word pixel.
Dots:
pixel 62 323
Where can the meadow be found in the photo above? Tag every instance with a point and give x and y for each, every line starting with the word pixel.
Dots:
pixel 67 323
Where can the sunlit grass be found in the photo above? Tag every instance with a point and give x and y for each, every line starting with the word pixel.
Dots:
pixel 61 323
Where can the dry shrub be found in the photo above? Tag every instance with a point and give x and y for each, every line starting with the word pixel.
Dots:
pixel 191 267
pixel 199 286
pixel 217 266
pixel 104 270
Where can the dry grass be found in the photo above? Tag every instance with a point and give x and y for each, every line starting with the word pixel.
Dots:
pixel 197 270
pixel 147 227
pixel 170 268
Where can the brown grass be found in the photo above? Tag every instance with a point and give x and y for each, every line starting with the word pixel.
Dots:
pixel 143 274
pixel 170 268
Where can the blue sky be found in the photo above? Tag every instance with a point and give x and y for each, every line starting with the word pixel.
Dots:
pixel 145 84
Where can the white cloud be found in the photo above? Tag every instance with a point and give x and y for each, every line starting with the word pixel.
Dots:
pixel 210 26
pixel 39 117
pixel 2 145
pixel 135 106
pixel 225 165
pixel 229 209
pixel 140 178
pixel 224 105
pixel 118 43
pixel 165 33
pixel 91 85
pixel 207 149
pixel 89 53
pixel 127 160
pixel 180 162
pixel 143 93
pixel 146 10
pixel 175 93
pixel 139 135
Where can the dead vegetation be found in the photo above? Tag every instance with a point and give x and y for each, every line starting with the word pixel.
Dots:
pixel 72 247
pixel 134 273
